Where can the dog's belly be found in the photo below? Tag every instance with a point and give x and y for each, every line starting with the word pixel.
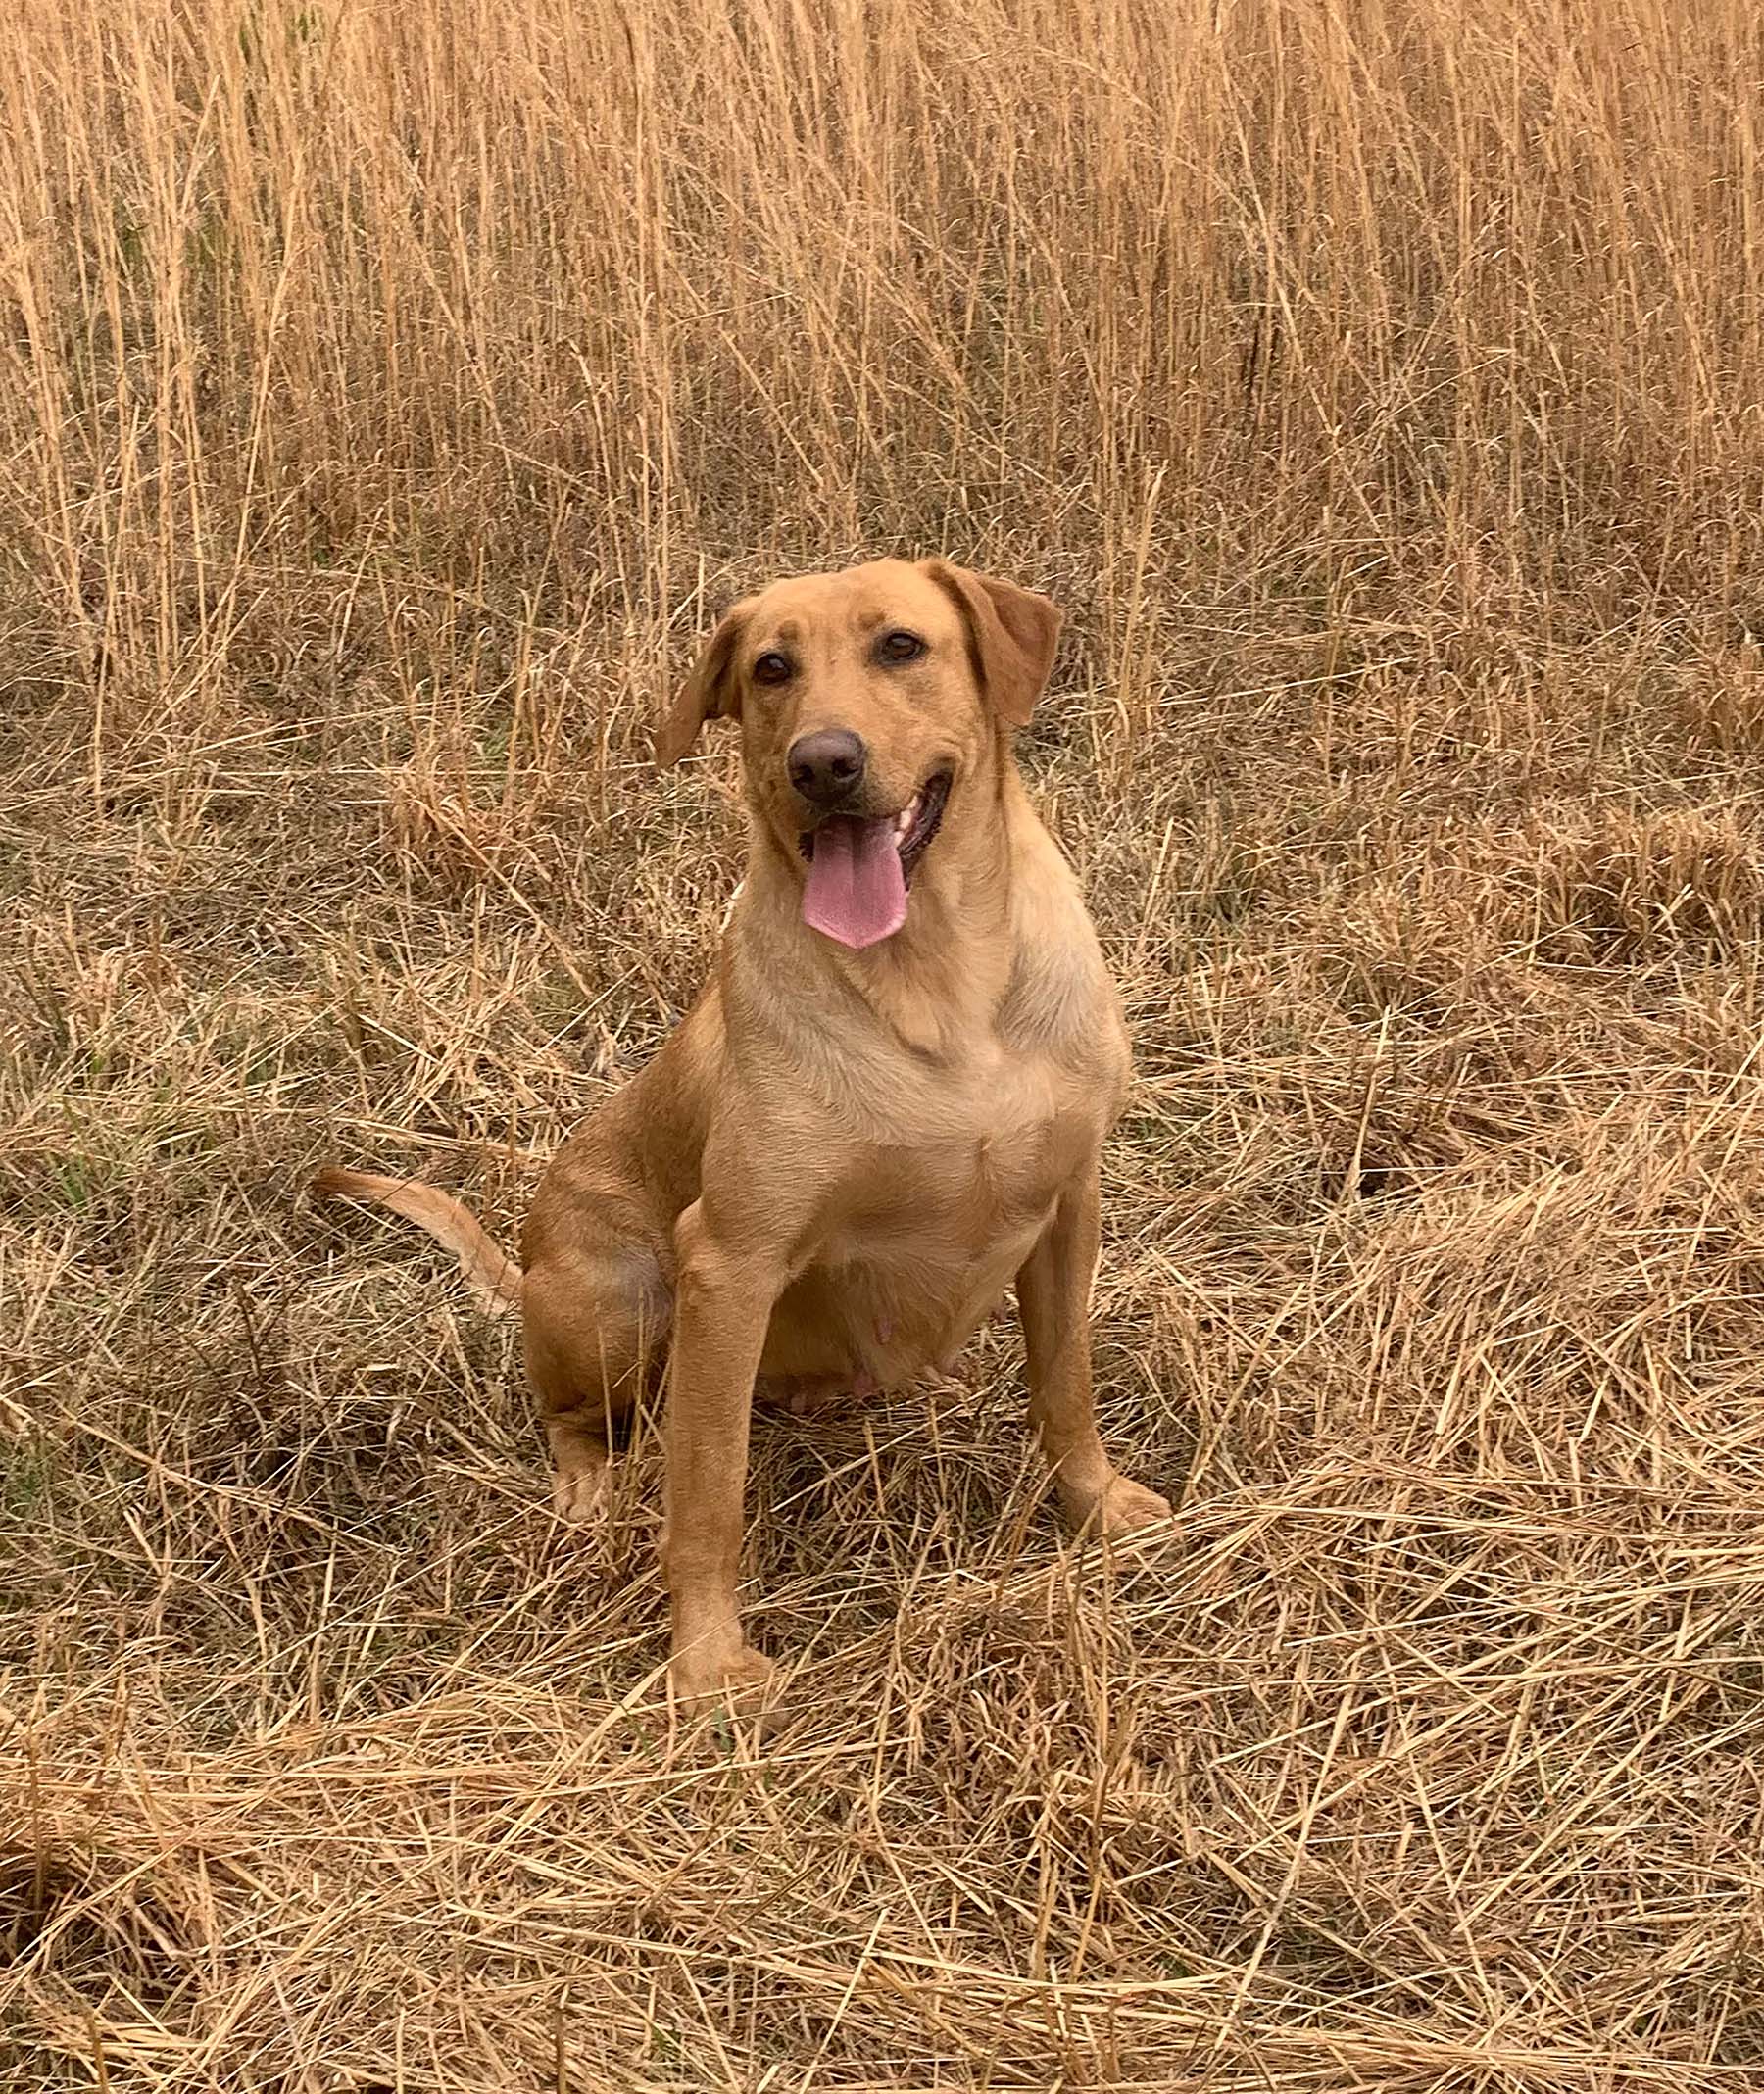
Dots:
pixel 891 1317
pixel 924 1254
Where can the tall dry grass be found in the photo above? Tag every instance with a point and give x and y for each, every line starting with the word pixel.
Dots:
pixel 388 397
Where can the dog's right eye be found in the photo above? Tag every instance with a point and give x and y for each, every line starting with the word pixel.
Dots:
pixel 772 668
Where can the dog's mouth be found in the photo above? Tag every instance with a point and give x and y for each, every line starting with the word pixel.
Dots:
pixel 860 867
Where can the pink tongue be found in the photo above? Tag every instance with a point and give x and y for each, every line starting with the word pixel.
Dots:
pixel 856 891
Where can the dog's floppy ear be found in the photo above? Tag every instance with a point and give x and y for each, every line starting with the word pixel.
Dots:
pixel 1013 634
pixel 708 692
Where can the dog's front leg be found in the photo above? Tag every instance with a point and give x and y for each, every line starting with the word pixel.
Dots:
pixel 1053 1289
pixel 724 1294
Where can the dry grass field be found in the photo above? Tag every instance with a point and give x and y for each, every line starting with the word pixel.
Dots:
pixel 389 395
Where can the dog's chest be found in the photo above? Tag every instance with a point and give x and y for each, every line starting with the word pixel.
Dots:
pixel 972 1177
pixel 931 1231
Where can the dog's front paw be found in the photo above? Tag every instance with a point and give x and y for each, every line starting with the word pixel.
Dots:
pixel 732 1674
pixel 1120 1508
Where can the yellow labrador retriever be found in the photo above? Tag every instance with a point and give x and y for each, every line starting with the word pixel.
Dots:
pixel 884 1110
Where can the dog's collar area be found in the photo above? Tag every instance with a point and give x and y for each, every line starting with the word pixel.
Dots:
pixel 914 826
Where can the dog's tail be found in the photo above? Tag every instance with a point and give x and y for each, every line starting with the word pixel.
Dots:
pixel 492 1275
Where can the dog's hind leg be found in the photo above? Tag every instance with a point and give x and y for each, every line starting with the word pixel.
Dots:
pixel 597 1320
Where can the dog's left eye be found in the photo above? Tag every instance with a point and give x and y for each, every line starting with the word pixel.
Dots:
pixel 901 647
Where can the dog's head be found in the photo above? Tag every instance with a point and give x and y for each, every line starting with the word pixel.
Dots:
pixel 869 702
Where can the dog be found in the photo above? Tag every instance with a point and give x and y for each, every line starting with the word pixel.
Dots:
pixel 884 1110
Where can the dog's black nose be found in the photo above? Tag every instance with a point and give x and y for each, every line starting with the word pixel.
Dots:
pixel 828 767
